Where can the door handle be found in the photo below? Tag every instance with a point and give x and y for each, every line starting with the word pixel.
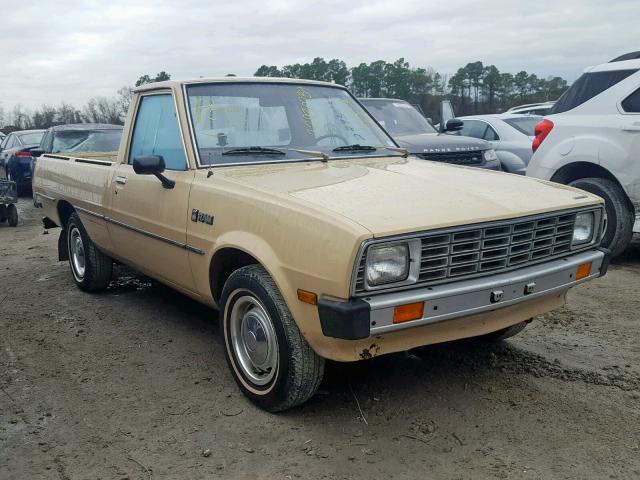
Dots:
pixel 121 180
pixel 634 127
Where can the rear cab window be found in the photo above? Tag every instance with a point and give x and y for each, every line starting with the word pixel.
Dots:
pixel 588 86
pixel 156 132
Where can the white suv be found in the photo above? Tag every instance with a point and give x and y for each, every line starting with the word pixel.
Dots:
pixel 591 140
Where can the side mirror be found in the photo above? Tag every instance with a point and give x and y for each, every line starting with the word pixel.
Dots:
pixel 36 152
pixel 446 114
pixel 152 165
pixel 454 125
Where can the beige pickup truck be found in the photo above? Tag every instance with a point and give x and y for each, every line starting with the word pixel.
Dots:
pixel 284 205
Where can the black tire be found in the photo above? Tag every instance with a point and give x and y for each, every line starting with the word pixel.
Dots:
pixel 3 213
pixel 12 215
pixel 97 266
pixel 298 371
pixel 19 191
pixel 503 334
pixel 620 217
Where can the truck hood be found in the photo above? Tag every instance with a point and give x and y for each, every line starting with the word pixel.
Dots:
pixel 439 142
pixel 395 195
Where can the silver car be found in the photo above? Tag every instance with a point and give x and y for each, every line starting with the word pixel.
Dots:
pixel 510 136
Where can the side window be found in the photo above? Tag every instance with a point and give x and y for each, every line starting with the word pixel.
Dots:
pixel 587 86
pixel 155 132
pixel 473 128
pixel 11 142
pixel 490 134
pixel 631 104
pixel 5 142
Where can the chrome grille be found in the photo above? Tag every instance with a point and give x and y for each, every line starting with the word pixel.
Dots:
pixel 472 157
pixel 459 253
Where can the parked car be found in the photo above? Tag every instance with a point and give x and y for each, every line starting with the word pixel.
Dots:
pixel 16 156
pixel 81 137
pixel 411 130
pixel 532 108
pixel 591 140
pixel 509 135
pixel 283 204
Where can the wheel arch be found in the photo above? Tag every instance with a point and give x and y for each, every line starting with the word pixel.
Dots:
pixel 576 170
pixel 223 263
pixel 64 209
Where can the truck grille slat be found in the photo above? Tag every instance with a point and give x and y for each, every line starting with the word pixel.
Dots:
pixel 486 249
pixel 471 157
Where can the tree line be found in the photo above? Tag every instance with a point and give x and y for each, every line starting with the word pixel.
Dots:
pixel 97 110
pixel 473 89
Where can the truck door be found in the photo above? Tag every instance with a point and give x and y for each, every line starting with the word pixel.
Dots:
pixel 148 222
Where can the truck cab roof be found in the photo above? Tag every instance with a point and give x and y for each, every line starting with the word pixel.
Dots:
pixel 179 83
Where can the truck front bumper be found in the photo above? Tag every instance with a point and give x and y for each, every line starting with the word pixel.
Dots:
pixel 363 317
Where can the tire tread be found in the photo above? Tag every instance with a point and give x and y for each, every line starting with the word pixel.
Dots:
pixel 306 368
pixel 99 267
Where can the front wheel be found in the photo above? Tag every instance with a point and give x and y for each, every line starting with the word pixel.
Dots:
pixel 619 215
pixel 270 360
pixel 91 269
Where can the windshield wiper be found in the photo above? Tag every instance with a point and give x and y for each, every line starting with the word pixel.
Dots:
pixel 355 148
pixel 254 151
pixel 369 148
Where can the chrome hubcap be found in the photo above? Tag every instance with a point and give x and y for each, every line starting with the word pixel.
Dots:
pixel 254 340
pixel 76 248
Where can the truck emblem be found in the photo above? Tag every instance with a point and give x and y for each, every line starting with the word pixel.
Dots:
pixel 198 216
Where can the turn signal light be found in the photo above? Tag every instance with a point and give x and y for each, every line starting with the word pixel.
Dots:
pixel 411 311
pixel 583 271
pixel 307 297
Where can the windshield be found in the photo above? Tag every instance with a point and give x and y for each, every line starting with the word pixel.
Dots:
pixel 31 138
pixel 231 119
pixel 524 125
pixel 398 117
pixel 87 141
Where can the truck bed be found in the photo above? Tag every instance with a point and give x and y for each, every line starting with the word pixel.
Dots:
pixel 81 181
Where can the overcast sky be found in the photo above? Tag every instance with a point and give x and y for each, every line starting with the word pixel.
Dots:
pixel 73 50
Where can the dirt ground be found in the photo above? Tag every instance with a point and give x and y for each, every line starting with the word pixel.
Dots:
pixel 132 384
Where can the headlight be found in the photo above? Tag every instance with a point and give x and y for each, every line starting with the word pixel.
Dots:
pixel 387 264
pixel 490 155
pixel 583 228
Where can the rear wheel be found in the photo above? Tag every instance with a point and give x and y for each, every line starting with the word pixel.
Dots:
pixel 12 215
pixel 3 213
pixel 91 269
pixel 619 214
pixel 270 360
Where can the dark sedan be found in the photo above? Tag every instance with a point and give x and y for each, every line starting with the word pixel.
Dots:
pixel 80 137
pixel 411 130
pixel 15 156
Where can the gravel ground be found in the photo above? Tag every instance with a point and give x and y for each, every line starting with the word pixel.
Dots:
pixel 132 384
